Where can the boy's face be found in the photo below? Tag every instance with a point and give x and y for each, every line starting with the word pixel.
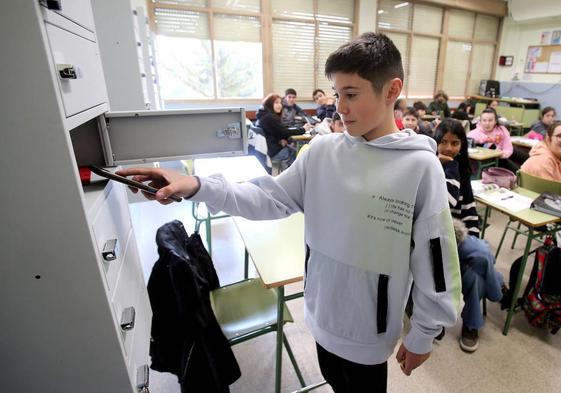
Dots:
pixel 320 98
pixel 290 99
pixel 362 110
pixel 410 121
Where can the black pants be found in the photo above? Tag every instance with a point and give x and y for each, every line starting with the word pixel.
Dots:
pixel 345 376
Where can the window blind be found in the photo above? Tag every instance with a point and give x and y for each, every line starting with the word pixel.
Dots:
pixel 427 19
pixel 336 10
pixel 246 5
pixel 486 27
pixel 237 28
pixel 456 68
pixel 181 23
pixel 193 3
pixel 329 39
pixel 481 66
pixel 394 14
pixel 293 56
pixel 424 60
pixel 460 24
pixel 294 8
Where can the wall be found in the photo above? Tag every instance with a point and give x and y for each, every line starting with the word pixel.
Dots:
pixel 515 39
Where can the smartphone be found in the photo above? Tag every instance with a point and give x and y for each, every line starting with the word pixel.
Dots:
pixel 132 183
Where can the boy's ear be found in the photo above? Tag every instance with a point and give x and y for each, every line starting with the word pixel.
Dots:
pixel 395 86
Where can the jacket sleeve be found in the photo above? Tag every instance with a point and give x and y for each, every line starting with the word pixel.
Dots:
pixel 263 198
pixel 507 143
pixel 273 127
pixel 434 265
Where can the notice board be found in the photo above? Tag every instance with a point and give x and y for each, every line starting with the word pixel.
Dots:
pixel 543 59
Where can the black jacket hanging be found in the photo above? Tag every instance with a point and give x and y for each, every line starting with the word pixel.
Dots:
pixel 186 338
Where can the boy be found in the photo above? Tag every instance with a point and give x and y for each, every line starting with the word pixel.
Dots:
pixel 411 120
pixel 376 219
pixel 326 105
pixel 337 124
pixel 290 110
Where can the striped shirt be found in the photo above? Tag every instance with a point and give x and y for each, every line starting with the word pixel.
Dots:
pixel 460 198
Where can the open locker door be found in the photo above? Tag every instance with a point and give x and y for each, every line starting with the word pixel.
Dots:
pixel 149 136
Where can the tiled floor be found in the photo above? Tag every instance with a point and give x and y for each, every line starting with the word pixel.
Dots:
pixel 527 360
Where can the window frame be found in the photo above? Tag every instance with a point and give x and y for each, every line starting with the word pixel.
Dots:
pixel 266 17
pixel 444 38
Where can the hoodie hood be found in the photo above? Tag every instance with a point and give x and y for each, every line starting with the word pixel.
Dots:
pixel 406 139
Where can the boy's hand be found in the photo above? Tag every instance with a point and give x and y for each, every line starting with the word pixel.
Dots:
pixel 409 361
pixel 444 159
pixel 167 181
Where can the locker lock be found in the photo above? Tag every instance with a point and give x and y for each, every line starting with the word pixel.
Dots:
pixel 67 71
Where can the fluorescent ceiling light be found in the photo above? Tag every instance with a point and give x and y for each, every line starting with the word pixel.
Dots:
pixel 381 11
pixel 401 5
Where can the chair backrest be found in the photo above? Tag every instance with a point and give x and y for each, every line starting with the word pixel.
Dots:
pixel 465 124
pixel 537 184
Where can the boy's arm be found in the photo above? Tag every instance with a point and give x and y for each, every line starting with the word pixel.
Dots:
pixel 434 265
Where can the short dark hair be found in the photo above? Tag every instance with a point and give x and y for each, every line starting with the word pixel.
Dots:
pixel 455 127
pixel 547 109
pixel 269 102
pixel 336 117
pixel 552 128
pixel 420 105
pixel 440 93
pixel 290 91
pixel 411 112
pixel 317 91
pixel 373 56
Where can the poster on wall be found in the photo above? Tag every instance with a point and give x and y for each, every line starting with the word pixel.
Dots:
pixel 556 37
pixel 554 63
pixel 546 38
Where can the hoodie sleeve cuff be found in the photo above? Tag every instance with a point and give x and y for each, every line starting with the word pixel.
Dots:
pixel 418 342
pixel 208 187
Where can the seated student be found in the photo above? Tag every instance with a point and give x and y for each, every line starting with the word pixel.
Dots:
pixel 439 107
pixel 399 109
pixel 461 112
pixel 326 105
pixel 476 260
pixel 277 134
pixel 411 121
pixel 494 136
pixel 337 124
pixel 290 110
pixel 538 129
pixel 545 157
pixel 420 107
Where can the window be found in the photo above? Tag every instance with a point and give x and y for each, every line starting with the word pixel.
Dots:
pixel 204 55
pixel 244 49
pixel 302 39
pixel 452 56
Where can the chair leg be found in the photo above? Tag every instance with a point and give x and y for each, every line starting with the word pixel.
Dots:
pixel 515 236
pixel 208 234
pixel 484 307
pixel 293 361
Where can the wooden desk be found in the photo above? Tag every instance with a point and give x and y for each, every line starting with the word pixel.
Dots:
pixel 301 140
pixel 235 169
pixel 524 142
pixel 484 158
pixel 531 219
pixel 278 252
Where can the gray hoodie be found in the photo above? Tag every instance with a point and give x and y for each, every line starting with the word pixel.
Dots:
pixel 376 219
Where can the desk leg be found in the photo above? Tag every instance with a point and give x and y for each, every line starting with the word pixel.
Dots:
pixel 518 281
pixel 485 216
pixel 280 335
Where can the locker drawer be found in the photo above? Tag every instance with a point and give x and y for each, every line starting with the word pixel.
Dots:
pixel 126 295
pixel 78 11
pixel 112 222
pixel 78 56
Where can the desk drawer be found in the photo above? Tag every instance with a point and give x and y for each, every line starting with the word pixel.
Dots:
pixel 112 223
pixel 83 85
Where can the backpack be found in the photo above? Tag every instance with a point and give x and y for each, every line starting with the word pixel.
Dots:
pixel 542 302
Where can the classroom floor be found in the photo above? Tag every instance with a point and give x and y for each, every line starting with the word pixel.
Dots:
pixel 527 360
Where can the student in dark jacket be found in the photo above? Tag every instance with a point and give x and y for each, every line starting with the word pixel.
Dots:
pixel 411 120
pixel 326 105
pixel 277 134
pixel 439 107
pixel 291 111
